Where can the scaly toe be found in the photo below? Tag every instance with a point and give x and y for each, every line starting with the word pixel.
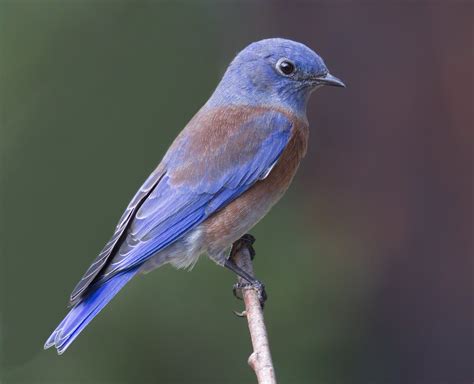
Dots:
pixel 262 294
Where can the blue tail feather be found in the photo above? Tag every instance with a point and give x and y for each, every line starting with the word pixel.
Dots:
pixel 83 312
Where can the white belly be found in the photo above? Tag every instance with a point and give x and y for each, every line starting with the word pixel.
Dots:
pixel 184 253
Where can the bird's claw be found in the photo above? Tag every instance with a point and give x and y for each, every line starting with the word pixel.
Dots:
pixel 240 314
pixel 262 294
pixel 237 291
pixel 257 285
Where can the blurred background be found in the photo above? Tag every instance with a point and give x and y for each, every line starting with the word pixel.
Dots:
pixel 368 260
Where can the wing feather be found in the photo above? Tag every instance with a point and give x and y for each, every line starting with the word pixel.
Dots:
pixel 215 159
pixel 100 261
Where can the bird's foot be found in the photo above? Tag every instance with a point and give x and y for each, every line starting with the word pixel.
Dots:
pixel 257 285
pixel 246 241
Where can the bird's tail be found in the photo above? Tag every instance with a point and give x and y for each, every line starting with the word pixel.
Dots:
pixel 83 312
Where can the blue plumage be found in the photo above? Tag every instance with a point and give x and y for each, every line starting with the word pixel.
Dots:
pixel 225 151
pixel 165 215
pixel 169 212
pixel 83 313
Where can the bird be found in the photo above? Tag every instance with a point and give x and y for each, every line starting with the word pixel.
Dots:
pixel 221 175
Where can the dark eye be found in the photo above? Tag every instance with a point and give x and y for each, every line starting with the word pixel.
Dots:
pixel 285 67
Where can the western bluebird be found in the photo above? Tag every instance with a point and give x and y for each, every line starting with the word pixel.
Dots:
pixel 231 163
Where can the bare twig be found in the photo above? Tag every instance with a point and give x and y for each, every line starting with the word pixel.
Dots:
pixel 260 360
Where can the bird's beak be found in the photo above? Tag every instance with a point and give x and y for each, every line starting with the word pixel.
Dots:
pixel 329 79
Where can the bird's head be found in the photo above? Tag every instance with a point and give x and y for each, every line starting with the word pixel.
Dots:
pixel 275 72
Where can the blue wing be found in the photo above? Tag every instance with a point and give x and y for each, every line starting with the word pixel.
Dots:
pixel 120 233
pixel 217 157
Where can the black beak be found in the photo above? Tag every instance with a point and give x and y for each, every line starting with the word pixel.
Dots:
pixel 329 79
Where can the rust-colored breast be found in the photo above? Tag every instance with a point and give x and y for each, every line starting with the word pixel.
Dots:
pixel 230 223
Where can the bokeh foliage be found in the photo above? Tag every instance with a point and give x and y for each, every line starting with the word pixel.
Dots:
pixel 355 258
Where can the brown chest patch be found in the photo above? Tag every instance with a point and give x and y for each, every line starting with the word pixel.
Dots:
pixel 231 222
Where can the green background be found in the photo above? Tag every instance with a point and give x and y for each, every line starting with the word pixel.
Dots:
pixel 367 260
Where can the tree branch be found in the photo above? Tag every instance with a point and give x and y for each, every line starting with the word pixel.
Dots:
pixel 260 360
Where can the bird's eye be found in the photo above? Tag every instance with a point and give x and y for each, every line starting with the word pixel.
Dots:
pixel 285 67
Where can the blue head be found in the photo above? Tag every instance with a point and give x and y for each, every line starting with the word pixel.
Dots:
pixel 275 72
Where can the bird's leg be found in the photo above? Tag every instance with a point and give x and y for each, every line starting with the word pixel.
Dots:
pixel 252 282
pixel 245 241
